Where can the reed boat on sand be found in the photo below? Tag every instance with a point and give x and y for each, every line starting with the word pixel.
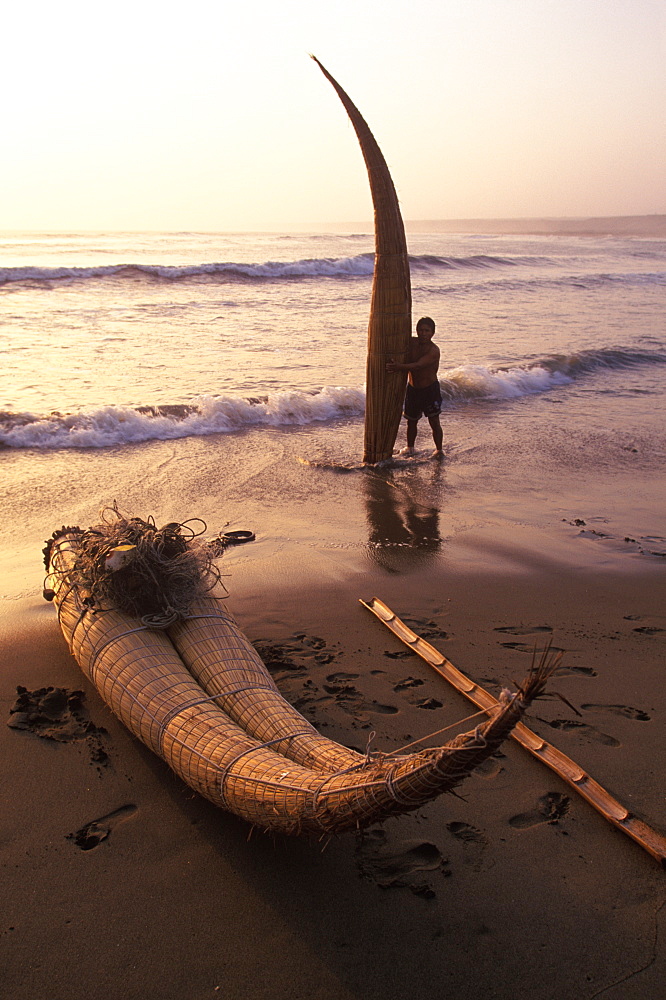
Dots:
pixel 197 694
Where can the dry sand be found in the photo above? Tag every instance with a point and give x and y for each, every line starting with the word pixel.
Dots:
pixel 121 883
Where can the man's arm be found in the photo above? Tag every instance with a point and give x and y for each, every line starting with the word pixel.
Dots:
pixel 431 357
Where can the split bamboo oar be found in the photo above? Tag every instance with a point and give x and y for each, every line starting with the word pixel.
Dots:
pixel 389 327
pixel 574 775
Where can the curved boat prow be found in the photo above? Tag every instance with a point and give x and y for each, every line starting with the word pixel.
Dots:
pixel 389 327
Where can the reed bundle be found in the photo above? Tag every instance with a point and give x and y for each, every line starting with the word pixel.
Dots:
pixel 236 741
pixel 225 663
pixel 389 326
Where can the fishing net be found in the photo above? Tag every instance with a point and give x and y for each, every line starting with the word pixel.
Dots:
pixel 150 573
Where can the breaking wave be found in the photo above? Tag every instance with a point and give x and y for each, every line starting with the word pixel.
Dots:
pixel 113 425
pixel 358 266
pixel 103 427
pixel 540 374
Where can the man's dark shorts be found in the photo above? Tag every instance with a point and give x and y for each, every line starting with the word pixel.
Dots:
pixel 426 401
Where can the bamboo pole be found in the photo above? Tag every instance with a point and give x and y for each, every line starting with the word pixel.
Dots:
pixel 389 326
pixel 570 772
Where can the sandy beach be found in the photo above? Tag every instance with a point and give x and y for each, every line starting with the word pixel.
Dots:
pixel 194 331
pixel 120 882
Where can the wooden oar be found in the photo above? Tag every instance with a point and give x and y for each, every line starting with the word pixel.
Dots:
pixel 574 775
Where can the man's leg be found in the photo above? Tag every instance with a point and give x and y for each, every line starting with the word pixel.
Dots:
pixel 412 427
pixel 437 434
pixel 411 437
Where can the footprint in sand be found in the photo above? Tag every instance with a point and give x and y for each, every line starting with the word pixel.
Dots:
pixel 287 663
pixel 408 682
pixel 278 660
pixel 550 808
pixel 526 647
pixel 585 730
pixel 429 703
pixel 342 692
pixel 314 643
pixel 593 533
pixel 426 628
pixel 565 670
pixel 311 641
pixel 645 545
pixel 474 841
pixel 292 656
pixel 651 630
pixel 351 699
pixel 523 629
pixel 464 831
pixel 649 545
pixel 341 676
pixel 625 710
pixel 98 830
pixel 311 704
pixel 489 768
pixel 401 865
pixel 52 713
pixel 375 706
pixel 58 714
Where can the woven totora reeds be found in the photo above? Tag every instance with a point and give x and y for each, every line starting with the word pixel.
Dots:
pixel 389 327
pixel 224 728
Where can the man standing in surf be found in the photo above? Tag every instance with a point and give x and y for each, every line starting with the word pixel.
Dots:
pixel 423 396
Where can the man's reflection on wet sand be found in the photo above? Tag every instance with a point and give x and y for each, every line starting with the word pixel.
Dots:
pixel 403 529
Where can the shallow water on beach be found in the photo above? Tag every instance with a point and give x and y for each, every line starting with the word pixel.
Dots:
pixel 100 325
pixel 206 374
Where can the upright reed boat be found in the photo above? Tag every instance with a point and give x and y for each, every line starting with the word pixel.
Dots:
pixel 390 323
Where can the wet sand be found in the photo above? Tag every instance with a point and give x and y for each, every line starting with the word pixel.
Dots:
pixel 121 882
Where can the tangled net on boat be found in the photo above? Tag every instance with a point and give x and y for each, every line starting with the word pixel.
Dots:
pixel 150 573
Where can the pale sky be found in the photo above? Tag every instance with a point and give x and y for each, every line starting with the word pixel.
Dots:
pixel 209 115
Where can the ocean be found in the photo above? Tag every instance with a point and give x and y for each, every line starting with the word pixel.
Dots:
pixel 247 352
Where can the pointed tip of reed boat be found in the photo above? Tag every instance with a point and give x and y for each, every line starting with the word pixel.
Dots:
pixel 390 322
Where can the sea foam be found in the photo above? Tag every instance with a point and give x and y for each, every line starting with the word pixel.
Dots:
pixel 111 425
pixel 106 426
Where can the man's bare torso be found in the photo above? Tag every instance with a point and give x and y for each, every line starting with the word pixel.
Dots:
pixel 418 350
